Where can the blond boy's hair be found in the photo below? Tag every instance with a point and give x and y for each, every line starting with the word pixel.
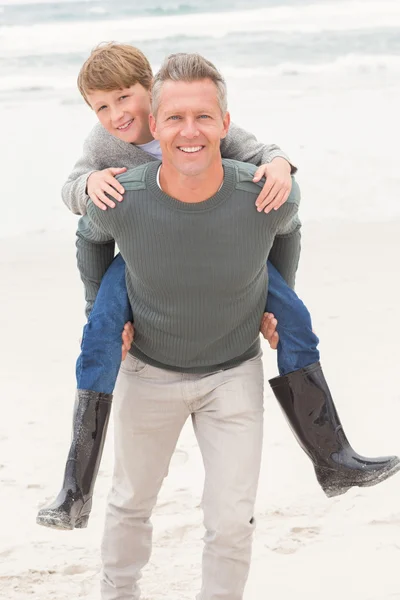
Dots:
pixel 113 66
pixel 188 68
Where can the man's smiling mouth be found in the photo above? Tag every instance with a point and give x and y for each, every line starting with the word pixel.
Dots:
pixel 190 149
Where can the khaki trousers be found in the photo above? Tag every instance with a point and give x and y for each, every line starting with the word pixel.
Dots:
pixel 150 408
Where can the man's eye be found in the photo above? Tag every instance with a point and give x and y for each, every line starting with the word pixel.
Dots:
pixel 173 118
pixel 204 117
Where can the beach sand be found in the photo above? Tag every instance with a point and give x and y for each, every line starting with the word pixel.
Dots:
pixel 306 546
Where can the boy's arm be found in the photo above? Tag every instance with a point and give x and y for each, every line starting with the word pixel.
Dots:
pixel 285 251
pixel 94 252
pixel 242 145
pixel 74 193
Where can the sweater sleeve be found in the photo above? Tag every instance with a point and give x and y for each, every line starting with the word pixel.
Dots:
pixel 285 251
pixel 73 191
pixel 95 249
pixel 243 146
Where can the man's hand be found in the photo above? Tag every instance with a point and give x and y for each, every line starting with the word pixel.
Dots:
pixel 101 182
pixel 268 330
pixel 127 339
pixel 277 186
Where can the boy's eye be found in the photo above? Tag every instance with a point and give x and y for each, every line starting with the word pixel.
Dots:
pixel 123 97
pixel 101 108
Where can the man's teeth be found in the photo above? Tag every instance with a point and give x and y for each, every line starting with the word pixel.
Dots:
pixel 191 149
pixel 125 126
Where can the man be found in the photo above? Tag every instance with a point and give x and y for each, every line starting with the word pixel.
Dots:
pixel 195 250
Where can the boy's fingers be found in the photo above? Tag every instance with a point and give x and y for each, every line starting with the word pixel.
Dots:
pixel 107 201
pixel 272 194
pixel 278 201
pixel 117 170
pixel 115 184
pixel 264 196
pixel 97 202
pixel 258 174
pixel 111 191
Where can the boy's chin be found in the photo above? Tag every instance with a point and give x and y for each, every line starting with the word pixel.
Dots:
pixel 129 138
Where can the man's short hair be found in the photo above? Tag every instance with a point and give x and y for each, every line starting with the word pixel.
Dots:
pixel 188 67
pixel 112 66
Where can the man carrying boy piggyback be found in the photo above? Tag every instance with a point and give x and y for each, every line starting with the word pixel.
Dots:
pixel 115 82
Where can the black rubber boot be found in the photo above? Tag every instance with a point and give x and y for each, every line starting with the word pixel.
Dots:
pixel 307 403
pixel 73 504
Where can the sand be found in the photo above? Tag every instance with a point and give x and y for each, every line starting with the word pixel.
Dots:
pixel 306 546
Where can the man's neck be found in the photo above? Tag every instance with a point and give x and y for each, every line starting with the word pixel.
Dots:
pixel 193 189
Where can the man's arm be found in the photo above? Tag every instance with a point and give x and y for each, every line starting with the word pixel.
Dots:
pixel 285 251
pixel 94 253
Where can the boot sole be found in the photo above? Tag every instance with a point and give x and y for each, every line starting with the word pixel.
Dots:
pixel 339 488
pixel 54 523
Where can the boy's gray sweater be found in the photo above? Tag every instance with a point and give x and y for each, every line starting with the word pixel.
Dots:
pixel 102 150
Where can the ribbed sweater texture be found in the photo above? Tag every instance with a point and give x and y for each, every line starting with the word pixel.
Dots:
pixel 195 272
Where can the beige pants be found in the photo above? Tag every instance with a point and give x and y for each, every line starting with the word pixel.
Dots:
pixel 151 406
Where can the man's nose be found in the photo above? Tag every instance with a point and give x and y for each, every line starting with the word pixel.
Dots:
pixel 190 129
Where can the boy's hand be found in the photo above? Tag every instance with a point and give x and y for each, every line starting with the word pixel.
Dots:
pixel 277 187
pixel 101 182
pixel 127 339
pixel 268 330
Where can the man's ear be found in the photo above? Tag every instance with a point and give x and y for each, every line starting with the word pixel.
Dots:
pixel 153 126
pixel 226 123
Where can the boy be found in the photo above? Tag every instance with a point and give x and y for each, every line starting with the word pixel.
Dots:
pixel 115 82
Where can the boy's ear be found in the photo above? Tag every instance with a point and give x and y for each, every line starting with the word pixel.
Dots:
pixel 153 126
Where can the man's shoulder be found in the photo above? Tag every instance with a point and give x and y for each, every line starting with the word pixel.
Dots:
pixel 244 174
pixel 135 179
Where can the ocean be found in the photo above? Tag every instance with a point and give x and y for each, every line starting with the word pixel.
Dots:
pixel 286 61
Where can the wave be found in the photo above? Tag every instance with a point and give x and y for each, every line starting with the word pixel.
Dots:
pixel 347 67
pixel 74 37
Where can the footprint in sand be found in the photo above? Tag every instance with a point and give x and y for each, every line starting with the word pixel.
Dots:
pixel 75 570
pixel 180 457
pixel 296 538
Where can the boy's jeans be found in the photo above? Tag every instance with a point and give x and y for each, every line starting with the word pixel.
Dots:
pixel 99 362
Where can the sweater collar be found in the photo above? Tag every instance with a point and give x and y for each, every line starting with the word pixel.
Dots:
pixel 222 194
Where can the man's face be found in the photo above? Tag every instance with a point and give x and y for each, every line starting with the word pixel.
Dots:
pixel 189 125
pixel 124 113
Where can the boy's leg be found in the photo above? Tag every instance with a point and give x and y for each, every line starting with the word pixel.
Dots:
pixel 297 346
pixel 96 372
pixel 100 358
pixel 306 401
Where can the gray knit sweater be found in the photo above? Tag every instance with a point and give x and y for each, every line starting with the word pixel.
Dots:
pixel 195 272
pixel 102 150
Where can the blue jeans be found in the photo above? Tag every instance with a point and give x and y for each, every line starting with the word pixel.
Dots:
pixel 98 364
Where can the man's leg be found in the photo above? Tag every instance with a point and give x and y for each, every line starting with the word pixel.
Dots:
pixel 149 414
pixel 305 398
pixel 96 372
pixel 229 427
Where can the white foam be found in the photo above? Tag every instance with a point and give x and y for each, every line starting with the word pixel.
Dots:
pixel 75 37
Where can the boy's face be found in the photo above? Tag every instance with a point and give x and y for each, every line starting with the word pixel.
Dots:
pixel 124 113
